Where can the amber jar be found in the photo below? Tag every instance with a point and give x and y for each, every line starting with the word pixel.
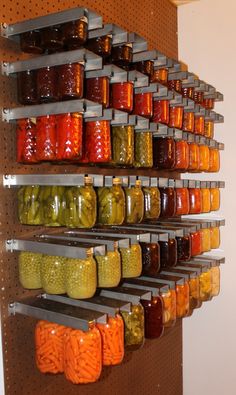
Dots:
pixel 195 199
pixel 100 45
pixel 97 90
pixel 175 85
pixel 215 196
pixel 150 258
pixel 204 156
pixel 161 111
pixel 209 104
pixel 52 39
pixel 168 253
pixel 188 92
pixel 122 96
pixel 209 129
pixel 145 67
pixel 163 152
pixel 160 75
pixel 153 314
pixel 188 122
pixel 98 141
pixel 214 159
pixel 182 198
pixel 143 104
pixel 206 238
pixel 75 33
pixel 30 42
pixel 46 141
pixel 27 87
pixel 168 202
pixel 181 155
pixel 69 136
pixel 199 125
pixel 121 55
pixel 215 237
pixel 196 243
pixel 194 156
pixel 47 84
pixel 26 141
pixel 70 81
pixel 206 197
pixel 183 248
pixel 198 97
pixel 176 117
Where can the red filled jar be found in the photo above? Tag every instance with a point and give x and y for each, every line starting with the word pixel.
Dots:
pixel 145 67
pixel 182 197
pixel 195 197
pixel 98 141
pixel 26 141
pixel 163 152
pixel 175 85
pixel 161 111
pixel 168 253
pixel 46 141
pixel 47 83
pixel 160 75
pixel 168 202
pixel 209 104
pixel 69 136
pixel 97 90
pixel 188 122
pixel 188 92
pixel 204 155
pixel 184 248
pixel 199 125
pixel 198 97
pixel 214 158
pixel 70 81
pixel 27 87
pixel 153 317
pixel 121 55
pixel 176 117
pixel 181 155
pixel 122 96
pixel 196 243
pixel 194 156
pixel 150 258
pixel 100 45
pixel 143 104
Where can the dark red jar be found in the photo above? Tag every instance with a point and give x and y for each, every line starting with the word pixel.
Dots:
pixel 182 201
pixel 69 136
pixel 175 85
pixel 198 97
pixel 168 253
pixel 97 90
pixel 168 202
pixel 75 33
pixel 209 104
pixel 188 92
pixel 121 55
pixel 176 117
pixel 160 75
pixel 122 96
pixel 52 39
pixel 199 125
pixel 153 317
pixel 195 201
pixel 26 141
pixel 145 67
pixel 98 141
pixel 100 45
pixel 161 111
pixel 70 81
pixel 163 152
pixel 150 258
pixel 47 83
pixel 196 244
pixel 181 155
pixel 27 87
pixel 183 248
pixel 46 138
pixel 143 104
pixel 30 42
pixel 188 122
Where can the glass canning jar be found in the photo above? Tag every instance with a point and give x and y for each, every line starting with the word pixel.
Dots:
pixel 196 243
pixel 150 258
pixel 215 278
pixel 75 33
pixel 27 87
pixel 181 155
pixel 204 156
pixel 168 202
pixel 134 327
pixel 209 129
pixel 70 81
pixel 183 248
pixel 215 197
pixel 206 197
pixel 53 274
pixel 168 253
pixel 97 90
pixel 52 39
pixel 143 149
pixel 30 42
pixel 182 198
pixel 161 111
pixel 69 130
pixel 176 117
pixel 198 97
pixel 160 75
pixel 30 205
pixel 208 103
pixel 122 96
pixel 188 92
pixel 53 203
pixel 26 141
pixel 47 84
pixel 46 141
pixel 182 294
pixel 175 85
pixel 215 237
pixel 195 200
pixel 194 156
pixel 199 124
pixel 163 153
pixel 100 45
pixel 30 270
pixel 153 317
pixel 111 204
pixel 131 261
pixel 169 307
pixel 152 202
pixel 121 55
pixel 123 145
pixel 98 141
pixel 143 104
pixel 134 203
pixel 206 285
pixel 205 239
pixel 214 159
pixel 188 122
pixel 109 268
pixel 145 67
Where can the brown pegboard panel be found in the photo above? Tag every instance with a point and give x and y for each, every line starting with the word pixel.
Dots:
pixel 157 368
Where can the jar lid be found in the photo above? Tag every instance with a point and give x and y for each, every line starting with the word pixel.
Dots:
pixel 116 181
pixel 88 180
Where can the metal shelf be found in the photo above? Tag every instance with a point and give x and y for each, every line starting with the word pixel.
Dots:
pixel 14 180
pixel 119 35
pixel 110 114
pixel 157 57
pixel 116 74
pixel 130 295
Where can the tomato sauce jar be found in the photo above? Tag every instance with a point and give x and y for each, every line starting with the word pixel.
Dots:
pixel 69 136
pixel 98 141
pixel 143 104
pixel 75 33
pixel 168 198
pixel 47 84
pixel 176 116
pixel 46 138
pixel 26 141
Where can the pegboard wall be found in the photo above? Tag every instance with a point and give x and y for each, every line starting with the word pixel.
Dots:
pixel 157 367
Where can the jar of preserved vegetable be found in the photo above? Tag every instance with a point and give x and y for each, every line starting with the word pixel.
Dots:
pixel 204 155
pixel 194 156
pixel 47 84
pixel 122 96
pixel 83 355
pixel 97 90
pixel 143 149
pixel 150 258
pixel 143 104
pixel 168 202
pixel 163 153
pixel 98 141
pixel 175 85
pixel 168 253
pixel 195 197
pixel 153 317
pixel 30 205
pixel 46 141
pixel 214 158
pixel 101 45
pixel 182 294
pixel 215 237
pixel 206 197
pixel 215 196
pixel 152 202
pixel 29 270
pixel 69 136
pixel 27 87
pixel 181 155
pixel 182 197
pixel 52 38
pixel 75 33
pixel 131 261
pixel 121 55
pixel 199 124
pixel 134 203
pixel 145 67
pixel 188 121
pixel 70 81
pixel 109 268
pixel 26 141
pixel 112 334
pixel 183 248
pixel 81 205
pixel 209 129
pixel 30 42
pixel 134 327
pixel 176 117
pixel 53 205
pixel 81 277
pixel 111 204
pixel 53 274
pixel 123 145
pixel 161 111
pixel 169 307
pixel 160 75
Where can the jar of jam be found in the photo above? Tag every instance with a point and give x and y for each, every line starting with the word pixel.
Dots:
pixel 214 157
pixel 168 200
pixel 111 204
pixel 46 141
pixel 206 196
pixel 70 81
pixel 198 96
pixel 161 111
pixel 206 238
pixel 150 258
pixel 160 75
pixel 97 90
pixel 47 84
pixel 188 91
pixel 175 85
pixel 123 145
pixel 52 205
pixel 182 197
pixel 30 42
pixel 143 104
pixel 184 247
pixel 145 67
pixel 195 197
pixel 215 237
pixel 181 154
pixel 52 39
pixel 100 45
pixel 153 317
pixel 196 243
pixel 26 141
pixel 163 152
pixel 122 96
pixel 152 202
pixel 194 158
pixel 168 252
pixel 176 116
pixel 29 205
pixel 143 149
pixel 208 103
pixel 69 136
pixel 98 141
pixel 209 129
pixel 121 55
pixel 188 121
pixel 75 33
pixel 199 124
pixel 215 196
pixel 204 155
pixel 27 87
pixel 134 203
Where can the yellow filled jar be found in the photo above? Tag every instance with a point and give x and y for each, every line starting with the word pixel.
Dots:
pixel 204 155
pixel 134 203
pixel 205 238
pixel 131 261
pixel 111 204
pixel 109 268
pixel 215 275
pixel 205 279
pixel 215 195
pixel 215 237
pixel 205 196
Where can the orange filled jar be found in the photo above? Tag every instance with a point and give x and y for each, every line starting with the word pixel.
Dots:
pixel 198 96
pixel 215 234
pixel 194 156
pixel 206 196
pixel 160 75
pixel 196 242
pixel 26 141
pixel 205 236
pixel 161 111
pixel 145 67
pixel 112 334
pixel 176 116
pixel 214 157
pixel 143 104
pixel 181 154
pixel 209 128
pixel 199 124
pixel 188 91
pixel 204 155
pixel 98 141
pixel 215 194
pixel 182 197
pixel 188 121
pixel 182 293
pixel 208 103
pixel 122 96
pixel 195 197
pixel 175 84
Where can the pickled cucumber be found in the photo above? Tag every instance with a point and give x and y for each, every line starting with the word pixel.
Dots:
pixel 29 270
pixel 81 207
pixel 81 277
pixel 53 274
pixel 53 204
pixel 111 205
pixel 109 269
pixel 143 149
pixel 152 203
pixel 134 327
pixel 123 145
pixel 29 205
pixel 131 261
pixel 134 205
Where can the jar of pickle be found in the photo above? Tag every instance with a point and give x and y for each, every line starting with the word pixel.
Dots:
pixel 81 277
pixel 134 203
pixel 134 327
pixel 161 111
pixel 122 96
pixel 176 116
pixel 163 153
pixel 143 104
pixel 53 203
pixel 145 67
pixel 214 157
pixel 131 261
pixel 98 141
pixel 83 354
pixel 30 42
pixel 26 141
pixel 181 154
pixel 215 237
pixel 47 83
pixel 205 238
pixel 70 81
pixel 199 124
pixel 75 33
pixel 69 136
pixel 153 317
pixel 100 45
pixel 204 155
pixel 160 75
pixel 195 197
pixel 168 252
pixel 53 274
pixel 209 129
pixel 30 270
pixel 123 145
pixel 184 247
pixel 182 197
pixel 206 196
pixel 121 55
pixel 152 202
pixel 52 39
pixel 150 258
pixel 46 141
pixel 97 90
pixel 81 205
pixel 111 204
pixel 215 196
pixel 30 210
pixel 188 121
pixel 168 201
pixel 194 156
pixel 27 87
pixel 109 268
pixel 175 85
pixel 143 149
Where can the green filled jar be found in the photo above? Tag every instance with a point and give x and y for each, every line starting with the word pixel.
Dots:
pixel 81 205
pixel 134 203
pixel 53 203
pixel 134 327
pixel 111 204
pixel 29 205
pixel 143 151
pixel 109 269
pixel 131 261
pixel 29 270
pixel 53 274
pixel 81 277
pixel 152 203
pixel 123 145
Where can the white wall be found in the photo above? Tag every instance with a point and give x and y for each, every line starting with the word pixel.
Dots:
pixel 207 37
